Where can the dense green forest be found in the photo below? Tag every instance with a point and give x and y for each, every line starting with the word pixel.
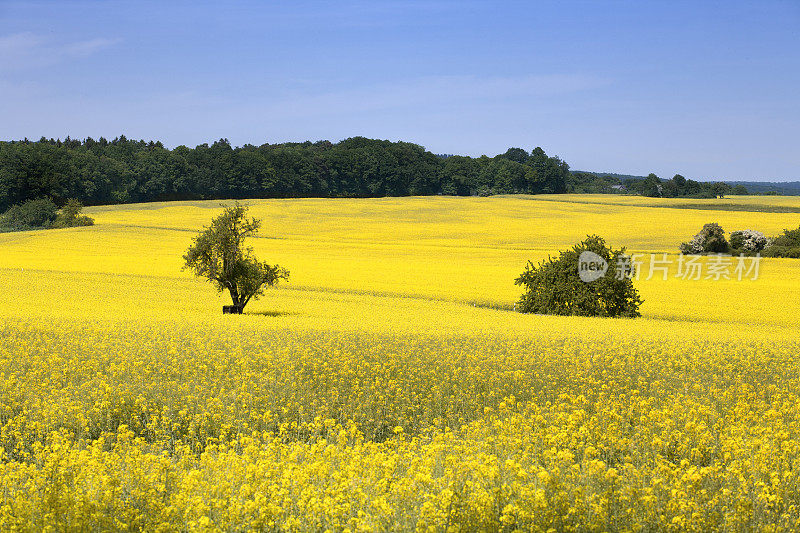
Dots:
pixel 124 170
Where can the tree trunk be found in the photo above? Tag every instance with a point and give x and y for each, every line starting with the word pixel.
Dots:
pixel 238 305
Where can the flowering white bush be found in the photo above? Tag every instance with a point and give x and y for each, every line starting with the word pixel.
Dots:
pixel 749 240
pixel 695 246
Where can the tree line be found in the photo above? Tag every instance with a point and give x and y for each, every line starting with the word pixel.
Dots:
pixel 124 170
pixel 651 185
pixel 680 187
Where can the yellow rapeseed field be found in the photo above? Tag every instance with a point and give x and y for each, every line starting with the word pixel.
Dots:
pixel 389 386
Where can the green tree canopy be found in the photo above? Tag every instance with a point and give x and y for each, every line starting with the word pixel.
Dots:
pixel 218 254
pixel 555 286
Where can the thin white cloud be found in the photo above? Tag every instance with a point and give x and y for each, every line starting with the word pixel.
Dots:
pixel 437 90
pixel 87 48
pixel 18 43
pixel 30 51
pixel 430 93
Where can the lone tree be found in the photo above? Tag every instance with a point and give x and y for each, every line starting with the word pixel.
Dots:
pixel 591 279
pixel 218 254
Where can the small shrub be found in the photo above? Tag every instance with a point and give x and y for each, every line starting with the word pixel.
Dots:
pixel 70 216
pixel 555 286
pixel 693 247
pixel 711 239
pixel 748 241
pixel 31 214
pixel 786 245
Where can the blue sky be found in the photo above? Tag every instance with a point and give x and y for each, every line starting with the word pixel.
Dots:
pixel 710 90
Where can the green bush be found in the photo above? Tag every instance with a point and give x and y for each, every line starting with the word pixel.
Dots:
pixel 711 239
pixel 32 214
pixel 42 213
pixel 792 252
pixel 786 245
pixel 556 288
pixel 70 216
pixel 748 242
